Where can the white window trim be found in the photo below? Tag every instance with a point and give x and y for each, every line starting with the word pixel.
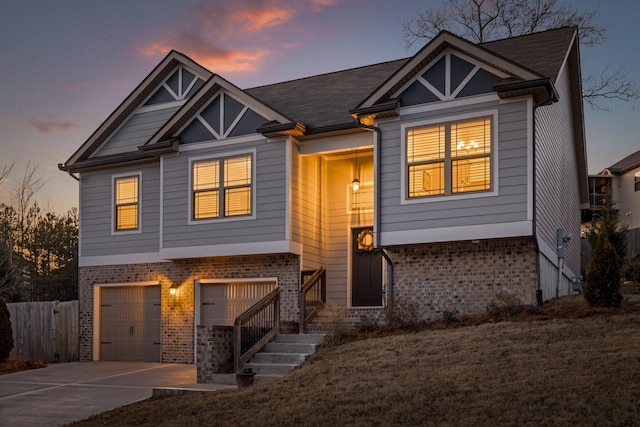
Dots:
pixel 404 197
pixel 112 203
pixel 252 216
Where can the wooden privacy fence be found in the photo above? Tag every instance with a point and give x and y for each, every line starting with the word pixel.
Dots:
pixel 45 331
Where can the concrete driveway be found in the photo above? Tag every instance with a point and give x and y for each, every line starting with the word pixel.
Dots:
pixel 62 393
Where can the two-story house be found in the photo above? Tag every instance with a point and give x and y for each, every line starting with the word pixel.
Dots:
pixel 438 180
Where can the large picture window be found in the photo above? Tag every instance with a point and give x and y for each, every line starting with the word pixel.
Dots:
pixel 126 192
pixel 222 187
pixel 449 158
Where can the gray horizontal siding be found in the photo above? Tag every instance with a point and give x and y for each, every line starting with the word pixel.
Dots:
pixel 136 131
pixel 509 205
pixel 558 202
pixel 270 208
pixel 96 207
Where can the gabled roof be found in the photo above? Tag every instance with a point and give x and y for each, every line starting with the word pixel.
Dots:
pixel 543 52
pixel 430 51
pixel 201 98
pixel 132 102
pixel 632 161
pixel 323 103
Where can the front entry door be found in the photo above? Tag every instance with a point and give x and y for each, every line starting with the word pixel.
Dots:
pixel 366 270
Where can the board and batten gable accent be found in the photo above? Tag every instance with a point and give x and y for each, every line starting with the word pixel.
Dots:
pixel 557 188
pixel 505 211
pixel 97 238
pixel 135 131
pixel 267 223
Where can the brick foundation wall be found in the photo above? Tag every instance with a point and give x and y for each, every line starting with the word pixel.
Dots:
pixel 178 310
pixel 463 277
pixel 214 350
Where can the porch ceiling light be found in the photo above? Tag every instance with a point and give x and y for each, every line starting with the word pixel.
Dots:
pixel 355 184
pixel 173 289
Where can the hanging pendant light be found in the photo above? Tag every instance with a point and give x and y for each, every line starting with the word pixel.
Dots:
pixel 355 184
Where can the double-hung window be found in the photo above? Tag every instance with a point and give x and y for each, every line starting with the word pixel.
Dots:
pixel 221 187
pixel 126 203
pixel 636 181
pixel 449 158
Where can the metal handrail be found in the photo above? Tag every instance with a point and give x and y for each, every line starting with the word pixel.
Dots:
pixel 255 327
pixel 313 297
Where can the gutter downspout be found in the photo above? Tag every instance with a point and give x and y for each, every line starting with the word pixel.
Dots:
pixel 539 296
pixel 378 216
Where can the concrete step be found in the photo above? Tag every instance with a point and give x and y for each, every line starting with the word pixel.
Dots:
pixel 279 347
pixel 285 358
pixel 279 369
pixel 300 338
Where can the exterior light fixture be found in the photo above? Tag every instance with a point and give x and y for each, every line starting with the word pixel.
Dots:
pixel 355 184
pixel 173 289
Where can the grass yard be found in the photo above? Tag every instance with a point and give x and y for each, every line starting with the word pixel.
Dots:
pixel 567 366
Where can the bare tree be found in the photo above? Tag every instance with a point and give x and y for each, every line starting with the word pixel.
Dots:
pixel 485 20
pixel 4 173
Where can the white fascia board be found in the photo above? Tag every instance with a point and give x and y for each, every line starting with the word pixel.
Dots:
pixel 257 248
pixel 452 234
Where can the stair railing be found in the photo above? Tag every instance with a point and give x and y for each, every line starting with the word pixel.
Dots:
pixel 313 296
pixel 255 327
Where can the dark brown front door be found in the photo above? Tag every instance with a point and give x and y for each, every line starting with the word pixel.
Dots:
pixel 366 271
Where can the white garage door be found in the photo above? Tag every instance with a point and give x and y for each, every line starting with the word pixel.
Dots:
pixel 221 303
pixel 130 325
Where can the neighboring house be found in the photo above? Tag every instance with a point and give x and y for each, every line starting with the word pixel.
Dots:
pixel 623 180
pixel 468 157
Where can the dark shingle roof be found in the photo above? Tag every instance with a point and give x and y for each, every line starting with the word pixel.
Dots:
pixel 542 52
pixel 626 164
pixel 326 99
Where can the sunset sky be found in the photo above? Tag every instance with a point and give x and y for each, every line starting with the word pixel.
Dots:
pixel 65 65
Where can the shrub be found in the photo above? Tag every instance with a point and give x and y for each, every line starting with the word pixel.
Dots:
pixel 405 315
pixel 6 335
pixel 505 305
pixel 602 287
pixel 449 317
pixel 631 269
pixel 336 326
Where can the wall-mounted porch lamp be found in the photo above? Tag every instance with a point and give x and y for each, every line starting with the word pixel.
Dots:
pixel 173 289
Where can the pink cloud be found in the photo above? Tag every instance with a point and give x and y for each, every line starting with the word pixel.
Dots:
pixel 235 26
pixel 256 20
pixel 48 127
